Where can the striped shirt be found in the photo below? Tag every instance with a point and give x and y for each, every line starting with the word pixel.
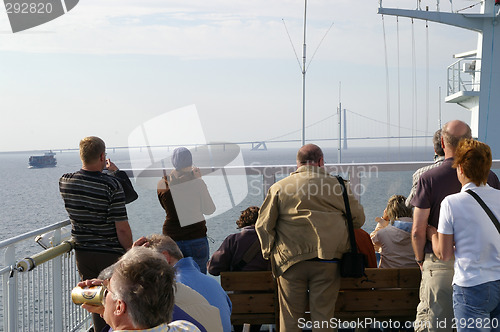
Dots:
pixel 94 202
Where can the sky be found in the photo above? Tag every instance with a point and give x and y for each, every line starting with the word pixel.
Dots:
pixel 108 67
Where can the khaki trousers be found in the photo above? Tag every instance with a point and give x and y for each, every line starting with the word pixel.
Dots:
pixel 435 310
pixel 308 282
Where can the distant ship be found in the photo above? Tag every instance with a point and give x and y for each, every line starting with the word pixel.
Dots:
pixel 47 160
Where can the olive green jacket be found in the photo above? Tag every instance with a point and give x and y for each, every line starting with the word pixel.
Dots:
pixel 302 217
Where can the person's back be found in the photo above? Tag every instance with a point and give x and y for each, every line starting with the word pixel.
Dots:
pixel 185 198
pixel 393 235
pixel 189 275
pixel 365 247
pixel 396 249
pixel 302 229
pixel 309 226
pixel 438 160
pixel 196 306
pixel 434 185
pixel 95 203
pixel 240 251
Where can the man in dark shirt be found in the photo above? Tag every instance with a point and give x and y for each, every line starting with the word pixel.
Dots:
pixel 95 203
pixel 434 185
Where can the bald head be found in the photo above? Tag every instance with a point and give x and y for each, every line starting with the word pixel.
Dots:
pixel 452 133
pixel 310 154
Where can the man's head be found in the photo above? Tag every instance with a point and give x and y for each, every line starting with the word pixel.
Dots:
pixel 140 292
pixel 166 246
pixel 93 152
pixel 310 154
pixel 436 140
pixel 452 133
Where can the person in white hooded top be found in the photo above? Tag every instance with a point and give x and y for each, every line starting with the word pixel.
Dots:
pixel 392 236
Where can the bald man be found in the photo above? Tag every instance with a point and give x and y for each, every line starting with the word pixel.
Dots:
pixel 302 229
pixel 436 306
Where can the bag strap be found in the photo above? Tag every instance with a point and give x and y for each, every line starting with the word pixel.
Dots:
pixel 486 208
pixel 251 252
pixel 348 215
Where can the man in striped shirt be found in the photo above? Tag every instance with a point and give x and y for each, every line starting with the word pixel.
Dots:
pixel 95 203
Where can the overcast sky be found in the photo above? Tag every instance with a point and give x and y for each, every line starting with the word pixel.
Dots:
pixel 107 67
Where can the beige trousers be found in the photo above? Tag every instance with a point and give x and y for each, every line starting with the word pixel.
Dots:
pixel 435 310
pixel 308 282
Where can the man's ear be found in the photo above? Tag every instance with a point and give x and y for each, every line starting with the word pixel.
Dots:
pixel 168 257
pixel 120 308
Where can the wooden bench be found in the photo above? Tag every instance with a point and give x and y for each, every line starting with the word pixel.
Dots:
pixel 384 294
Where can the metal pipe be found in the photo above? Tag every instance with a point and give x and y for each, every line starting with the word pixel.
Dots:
pixel 29 263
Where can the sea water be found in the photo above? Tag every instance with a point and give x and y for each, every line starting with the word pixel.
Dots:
pixel 30 197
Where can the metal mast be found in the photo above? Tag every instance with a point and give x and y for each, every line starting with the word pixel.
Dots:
pixel 304 79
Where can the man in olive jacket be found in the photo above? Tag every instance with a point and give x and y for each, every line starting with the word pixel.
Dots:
pixel 302 229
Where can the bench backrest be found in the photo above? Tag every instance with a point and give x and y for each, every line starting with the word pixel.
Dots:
pixel 383 294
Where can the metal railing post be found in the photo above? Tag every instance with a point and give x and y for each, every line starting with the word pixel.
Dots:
pixel 10 284
pixel 57 294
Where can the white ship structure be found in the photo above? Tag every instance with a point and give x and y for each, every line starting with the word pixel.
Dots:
pixel 479 95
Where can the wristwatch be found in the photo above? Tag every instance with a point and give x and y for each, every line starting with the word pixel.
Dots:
pixel 419 262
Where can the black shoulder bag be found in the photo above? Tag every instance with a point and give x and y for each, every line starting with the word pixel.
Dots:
pixel 352 264
pixel 486 209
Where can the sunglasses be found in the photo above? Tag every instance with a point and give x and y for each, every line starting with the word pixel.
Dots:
pixel 105 285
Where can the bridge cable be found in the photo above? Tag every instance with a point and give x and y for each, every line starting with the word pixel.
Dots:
pixel 316 50
pixel 291 43
pixel 387 87
pixel 382 122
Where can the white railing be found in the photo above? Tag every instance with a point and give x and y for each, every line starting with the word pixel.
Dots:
pixel 461 76
pixel 37 298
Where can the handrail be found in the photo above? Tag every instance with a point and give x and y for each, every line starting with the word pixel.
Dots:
pixel 38 231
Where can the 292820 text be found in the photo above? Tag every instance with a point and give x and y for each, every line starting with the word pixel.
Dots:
pixel 28 8
pixel 469 323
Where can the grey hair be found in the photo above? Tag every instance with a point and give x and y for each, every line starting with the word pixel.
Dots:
pixel 145 282
pixel 162 243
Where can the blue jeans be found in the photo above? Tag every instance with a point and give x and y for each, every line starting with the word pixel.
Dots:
pixel 477 308
pixel 198 249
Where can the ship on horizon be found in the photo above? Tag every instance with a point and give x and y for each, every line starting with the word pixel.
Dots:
pixel 47 160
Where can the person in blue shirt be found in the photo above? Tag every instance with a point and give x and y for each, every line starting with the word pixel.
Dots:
pixel 188 273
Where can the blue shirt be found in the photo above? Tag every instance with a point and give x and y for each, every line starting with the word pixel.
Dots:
pixel 189 274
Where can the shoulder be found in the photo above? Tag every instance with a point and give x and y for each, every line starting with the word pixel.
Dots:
pixel 453 199
pixel 493 180
pixel 111 181
pixel 178 326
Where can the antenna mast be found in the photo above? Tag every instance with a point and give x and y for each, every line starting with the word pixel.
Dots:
pixel 304 79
